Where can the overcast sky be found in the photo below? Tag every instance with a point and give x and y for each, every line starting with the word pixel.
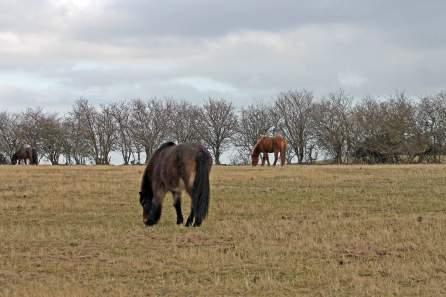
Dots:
pixel 54 52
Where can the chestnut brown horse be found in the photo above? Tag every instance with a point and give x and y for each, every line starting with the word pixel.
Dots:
pixel 25 153
pixel 174 168
pixel 276 144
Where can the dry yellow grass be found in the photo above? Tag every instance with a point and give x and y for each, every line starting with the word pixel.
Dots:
pixel 307 231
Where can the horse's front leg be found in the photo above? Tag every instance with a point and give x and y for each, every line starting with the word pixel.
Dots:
pixel 267 159
pixel 263 159
pixel 177 205
pixel 155 211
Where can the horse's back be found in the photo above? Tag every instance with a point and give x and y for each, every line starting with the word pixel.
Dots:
pixel 279 142
pixel 177 165
pixel 188 154
pixel 271 144
pixel 265 144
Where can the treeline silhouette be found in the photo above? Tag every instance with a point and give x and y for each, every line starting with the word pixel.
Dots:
pixel 336 128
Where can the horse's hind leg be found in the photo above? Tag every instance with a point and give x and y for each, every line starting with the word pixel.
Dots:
pixel 275 158
pixel 177 205
pixel 190 219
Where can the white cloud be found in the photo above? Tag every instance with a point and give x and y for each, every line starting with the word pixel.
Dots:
pixel 351 80
pixel 204 84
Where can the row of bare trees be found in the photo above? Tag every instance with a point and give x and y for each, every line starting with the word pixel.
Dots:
pixel 134 128
pixel 397 129
pixel 372 130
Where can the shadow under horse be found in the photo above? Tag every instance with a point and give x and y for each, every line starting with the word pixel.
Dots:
pixel 276 144
pixel 174 168
pixel 25 153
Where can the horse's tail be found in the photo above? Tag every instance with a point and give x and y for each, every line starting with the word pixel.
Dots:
pixel 201 188
pixel 283 152
pixel 35 157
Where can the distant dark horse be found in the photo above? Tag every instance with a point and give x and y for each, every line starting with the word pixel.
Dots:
pixel 173 168
pixel 276 144
pixel 25 153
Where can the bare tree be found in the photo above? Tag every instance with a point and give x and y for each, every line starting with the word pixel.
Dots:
pixel 254 120
pixel 386 132
pixel 121 115
pixel 9 133
pixel 216 125
pixel 295 109
pixel 30 127
pixel 99 128
pixel 333 128
pixel 106 130
pixel 3 159
pixel 403 136
pixel 182 120
pixel 52 138
pixel 150 123
pixel 76 146
pixel 431 118
pixel 367 131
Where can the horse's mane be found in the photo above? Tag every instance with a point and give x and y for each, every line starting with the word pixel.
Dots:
pixel 255 149
pixel 161 148
pixel 158 151
pixel 146 185
pixel 166 144
pixel 259 139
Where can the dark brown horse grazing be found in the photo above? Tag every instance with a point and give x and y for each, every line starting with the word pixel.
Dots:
pixel 25 153
pixel 173 168
pixel 276 144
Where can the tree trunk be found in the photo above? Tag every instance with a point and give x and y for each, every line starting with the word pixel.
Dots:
pixel 300 156
pixel 148 154
pixel 217 157
pixel 339 155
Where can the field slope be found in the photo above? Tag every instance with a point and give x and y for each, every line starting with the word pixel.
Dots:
pixel 293 231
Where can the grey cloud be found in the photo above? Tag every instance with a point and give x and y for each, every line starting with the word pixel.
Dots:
pixel 237 49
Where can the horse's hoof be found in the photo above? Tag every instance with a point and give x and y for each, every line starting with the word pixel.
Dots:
pixel 150 223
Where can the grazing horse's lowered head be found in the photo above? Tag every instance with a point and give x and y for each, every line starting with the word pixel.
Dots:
pixel 174 168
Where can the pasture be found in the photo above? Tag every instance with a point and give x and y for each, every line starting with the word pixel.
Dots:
pixel 293 231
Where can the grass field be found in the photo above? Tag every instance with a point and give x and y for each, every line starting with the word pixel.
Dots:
pixel 293 231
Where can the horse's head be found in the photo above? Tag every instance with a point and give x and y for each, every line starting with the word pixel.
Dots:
pixel 145 199
pixel 254 159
